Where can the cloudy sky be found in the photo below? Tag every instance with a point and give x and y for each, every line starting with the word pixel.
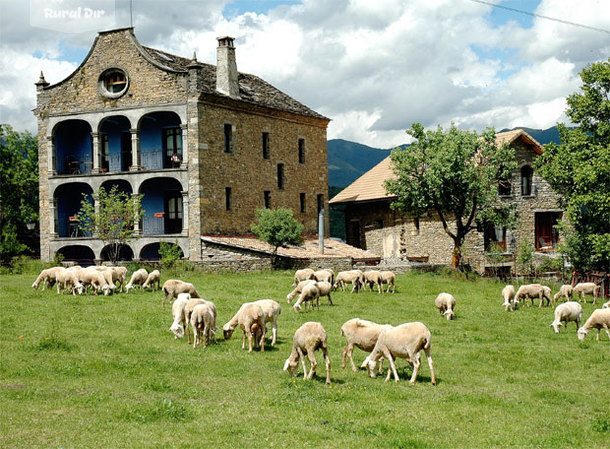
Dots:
pixel 372 66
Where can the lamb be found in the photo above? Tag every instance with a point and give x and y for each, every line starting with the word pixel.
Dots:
pixel 586 288
pixel 371 278
pixel 203 321
pixel 172 287
pixel 272 311
pixel 251 318
pixel 565 291
pixel 508 293
pixel 68 280
pixel 354 277
pixel 178 313
pixel 307 339
pixel 47 277
pixel 388 277
pixel 600 318
pixel 303 275
pixel 360 333
pixel 311 293
pixel 567 311
pixel 153 280
pixel 533 291
pixel 298 289
pixel 137 278
pixel 445 303
pixel 324 275
pixel 405 341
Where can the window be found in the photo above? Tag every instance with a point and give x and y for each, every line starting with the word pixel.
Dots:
pixel 320 203
pixel 113 83
pixel 228 138
pixel 267 199
pixel 280 176
pixel 526 180
pixel 265 145
pixel 301 151
pixel 504 187
pixel 228 198
pixel 172 142
pixel 494 235
pixel 302 202
pixel 546 231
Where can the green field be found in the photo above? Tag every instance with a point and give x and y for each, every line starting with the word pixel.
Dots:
pixel 105 372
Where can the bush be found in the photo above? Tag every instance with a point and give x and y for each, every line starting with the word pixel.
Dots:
pixel 170 253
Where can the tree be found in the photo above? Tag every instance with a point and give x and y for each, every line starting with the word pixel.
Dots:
pixel 454 173
pixel 111 217
pixel 579 170
pixel 278 227
pixel 18 191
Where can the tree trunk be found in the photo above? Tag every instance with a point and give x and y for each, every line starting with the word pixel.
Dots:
pixel 457 255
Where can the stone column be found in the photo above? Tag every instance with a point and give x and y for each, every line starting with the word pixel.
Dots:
pixel 185 212
pixel 51 166
pixel 135 150
pixel 185 152
pixel 96 153
pixel 136 225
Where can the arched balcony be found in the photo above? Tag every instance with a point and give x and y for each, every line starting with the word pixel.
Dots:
pixel 160 136
pixel 67 199
pixel 125 253
pixel 151 251
pixel 80 254
pixel 72 147
pixel 163 207
pixel 115 145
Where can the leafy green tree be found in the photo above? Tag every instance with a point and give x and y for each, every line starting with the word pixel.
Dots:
pixel 579 169
pixel 18 191
pixel 170 253
pixel 278 227
pixel 111 218
pixel 454 173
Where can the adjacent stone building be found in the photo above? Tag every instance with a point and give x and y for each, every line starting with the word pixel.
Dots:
pixel 204 146
pixel 371 224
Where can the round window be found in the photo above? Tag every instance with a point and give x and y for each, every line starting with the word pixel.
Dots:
pixel 113 83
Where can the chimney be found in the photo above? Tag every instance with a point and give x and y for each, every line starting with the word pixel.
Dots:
pixel 226 68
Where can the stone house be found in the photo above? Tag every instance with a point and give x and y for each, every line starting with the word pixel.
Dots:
pixel 203 145
pixel 371 224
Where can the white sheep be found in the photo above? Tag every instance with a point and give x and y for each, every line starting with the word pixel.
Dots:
pixel 188 311
pixel 47 277
pixel 309 293
pixel 606 305
pixel 445 303
pixel 567 311
pixel 297 290
pixel 354 277
pixel 118 274
pixel 272 311
pixel 251 318
pixel 533 291
pixel 508 293
pixel 172 287
pixel 389 277
pixel 303 275
pixel 91 277
pixel 405 341
pixel 599 319
pixel 586 288
pixel 106 273
pixel 68 280
pixel 137 279
pixel 153 280
pixel 203 321
pixel 371 278
pixel 360 333
pixel 180 323
pixel 325 288
pixel 565 291
pixel 308 338
pixel 324 275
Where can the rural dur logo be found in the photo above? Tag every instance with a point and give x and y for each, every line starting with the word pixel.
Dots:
pixel 72 16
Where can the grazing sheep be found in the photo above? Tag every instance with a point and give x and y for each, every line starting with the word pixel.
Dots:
pixel 172 287
pixel 188 310
pixel 508 293
pixel 325 288
pixel 565 291
pixel 371 278
pixel 533 291
pixel 178 313
pixel 586 288
pixel 324 275
pixel 203 321
pixel 405 341
pixel 445 303
pixel 118 274
pixel 251 318
pixel 567 311
pixel 106 273
pixel 68 280
pixel 272 311
pixel 137 278
pixel 360 333
pixel 311 293
pixel 303 275
pixel 308 338
pixel 297 290
pixel 354 277
pixel 153 280
pixel 599 319
pixel 47 277
pixel 91 277
pixel 389 277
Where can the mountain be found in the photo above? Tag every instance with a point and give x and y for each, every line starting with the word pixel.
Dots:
pixel 543 136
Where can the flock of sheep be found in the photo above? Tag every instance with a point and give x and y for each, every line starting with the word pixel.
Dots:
pixel 191 313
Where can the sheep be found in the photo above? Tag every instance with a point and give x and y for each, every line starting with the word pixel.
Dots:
pixel 508 293
pixel 272 311
pixel 250 317
pixel 307 339
pixel 405 341
pixel 310 292
pixel 586 288
pixel 303 275
pixel 565 291
pixel 153 280
pixel 297 290
pixel 606 305
pixel 172 287
pixel 179 324
pixel 600 318
pixel 325 288
pixel 203 321
pixel 137 278
pixel 533 291
pixel 68 280
pixel 188 310
pixel 567 311
pixel 371 278
pixel 389 277
pixel 445 303
pixel 90 276
pixel 354 277
pixel 108 279
pixel 118 274
pixel 360 333
pixel 47 277
pixel 324 275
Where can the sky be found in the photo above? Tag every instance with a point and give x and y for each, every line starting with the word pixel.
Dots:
pixel 372 66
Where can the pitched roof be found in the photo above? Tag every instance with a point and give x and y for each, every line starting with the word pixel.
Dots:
pixel 369 186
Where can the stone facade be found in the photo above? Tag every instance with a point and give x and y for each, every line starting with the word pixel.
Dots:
pixel 162 96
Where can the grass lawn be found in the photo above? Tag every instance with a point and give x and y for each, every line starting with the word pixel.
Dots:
pixel 105 372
